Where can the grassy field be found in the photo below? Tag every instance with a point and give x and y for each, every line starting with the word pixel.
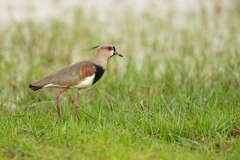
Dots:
pixel 174 95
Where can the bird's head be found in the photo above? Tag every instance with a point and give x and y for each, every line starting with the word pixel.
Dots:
pixel 103 53
pixel 106 51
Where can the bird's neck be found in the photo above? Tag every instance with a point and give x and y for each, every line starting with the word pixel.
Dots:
pixel 100 61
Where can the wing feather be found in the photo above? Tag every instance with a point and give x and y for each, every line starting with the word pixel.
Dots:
pixel 68 76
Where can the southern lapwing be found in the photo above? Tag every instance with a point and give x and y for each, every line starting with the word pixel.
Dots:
pixel 79 75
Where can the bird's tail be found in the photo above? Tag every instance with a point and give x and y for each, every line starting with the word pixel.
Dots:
pixel 34 88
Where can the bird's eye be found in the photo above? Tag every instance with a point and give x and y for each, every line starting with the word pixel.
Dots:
pixel 110 48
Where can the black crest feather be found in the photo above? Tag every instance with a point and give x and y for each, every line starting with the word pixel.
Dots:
pixel 92 48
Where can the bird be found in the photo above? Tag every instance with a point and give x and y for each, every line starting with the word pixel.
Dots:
pixel 79 75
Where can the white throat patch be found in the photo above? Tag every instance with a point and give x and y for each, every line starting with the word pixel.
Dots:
pixel 112 52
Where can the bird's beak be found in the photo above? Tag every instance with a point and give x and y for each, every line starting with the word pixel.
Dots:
pixel 116 53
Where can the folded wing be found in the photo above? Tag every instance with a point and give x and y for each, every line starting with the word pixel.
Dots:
pixel 69 76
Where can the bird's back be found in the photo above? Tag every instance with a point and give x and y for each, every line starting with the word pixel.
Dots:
pixel 66 77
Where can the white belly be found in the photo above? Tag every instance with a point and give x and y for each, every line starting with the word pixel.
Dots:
pixel 87 82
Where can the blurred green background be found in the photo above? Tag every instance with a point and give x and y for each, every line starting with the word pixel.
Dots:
pixel 174 94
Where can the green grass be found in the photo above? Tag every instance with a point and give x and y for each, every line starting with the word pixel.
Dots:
pixel 174 95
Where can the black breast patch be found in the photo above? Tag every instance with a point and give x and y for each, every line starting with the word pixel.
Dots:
pixel 98 74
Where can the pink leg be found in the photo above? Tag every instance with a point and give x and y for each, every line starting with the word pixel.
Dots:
pixel 76 105
pixel 57 97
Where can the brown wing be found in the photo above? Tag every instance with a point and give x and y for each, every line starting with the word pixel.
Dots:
pixel 68 76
